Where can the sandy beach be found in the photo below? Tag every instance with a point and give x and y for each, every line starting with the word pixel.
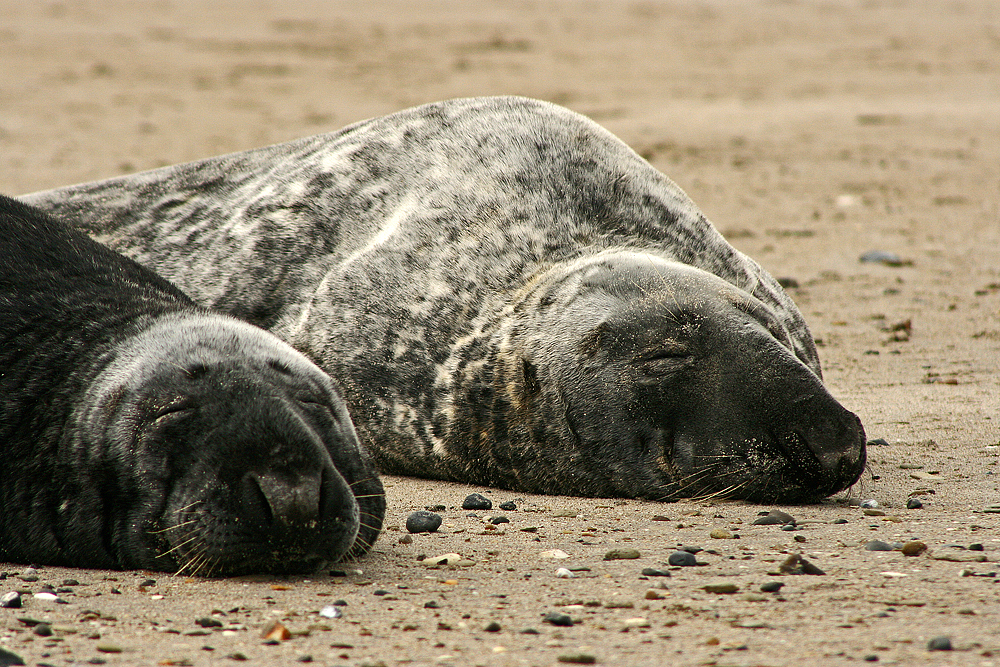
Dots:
pixel 809 133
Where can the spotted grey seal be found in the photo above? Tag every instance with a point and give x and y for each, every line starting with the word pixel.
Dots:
pixel 508 295
pixel 139 431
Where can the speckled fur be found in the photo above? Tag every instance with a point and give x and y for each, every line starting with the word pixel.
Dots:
pixel 396 251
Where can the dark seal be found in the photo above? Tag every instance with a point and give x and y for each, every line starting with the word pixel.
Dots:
pixel 508 295
pixel 139 431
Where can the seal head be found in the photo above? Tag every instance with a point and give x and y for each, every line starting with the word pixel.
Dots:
pixel 139 431
pixel 623 365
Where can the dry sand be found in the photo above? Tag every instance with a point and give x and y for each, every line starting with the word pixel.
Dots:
pixel 809 132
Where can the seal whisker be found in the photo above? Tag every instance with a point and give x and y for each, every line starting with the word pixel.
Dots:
pixel 180 545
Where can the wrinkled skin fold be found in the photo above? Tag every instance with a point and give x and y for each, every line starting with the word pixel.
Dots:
pixel 496 285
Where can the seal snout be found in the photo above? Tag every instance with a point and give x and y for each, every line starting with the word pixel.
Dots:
pixel 840 450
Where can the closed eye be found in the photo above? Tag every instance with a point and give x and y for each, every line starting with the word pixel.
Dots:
pixel 671 352
pixel 176 406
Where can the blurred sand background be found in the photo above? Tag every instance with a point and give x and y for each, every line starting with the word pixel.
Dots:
pixel 809 132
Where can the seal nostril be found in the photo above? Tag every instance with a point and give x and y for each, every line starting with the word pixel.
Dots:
pixel 195 371
pixel 254 502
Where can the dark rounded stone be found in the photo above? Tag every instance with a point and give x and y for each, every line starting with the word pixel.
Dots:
pixel 878 545
pixel 775 518
pixel 11 600
pixel 432 605
pixel 42 630
pixel 940 643
pixel 771 586
pixel 556 618
pixel 423 521
pixel 492 627
pixel 914 504
pixel 655 572
pixel 691 549
pixel 477 501
pixel 497 520
pixel 508 506
pixel 976 547
pixel 682 559
pixel 208 622
pixel 839 521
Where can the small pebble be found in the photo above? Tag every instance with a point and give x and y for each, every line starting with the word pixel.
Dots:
pixel 653 594
pixel 443 559
pixel 477 501
pixel 655 572
pixel 330 611
pixel 789 527
pixel 109 648
pixel 682 559
pixel 839 521
pixel 208 622
pixel 721 589
pixel 940 643
pixel 432 605
pixel 879 545
pixel 423 521
pixel 771 586
pixel 11 600
pixel 719 534
pixel 881 257
pixel 914 504
pixel 868 504
pixel 493 626
pixel 976 547
pixel 276 631
pixel 913 548
pixel 796 564
pixel 508 506
pixel 871 657
pixel 42 630
pixel 557 618
pixel 878 442
pixel 563 573
pixel 497 520
pixel 622 554
pixel 691 549
pixel 578 658
pixel 775 518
